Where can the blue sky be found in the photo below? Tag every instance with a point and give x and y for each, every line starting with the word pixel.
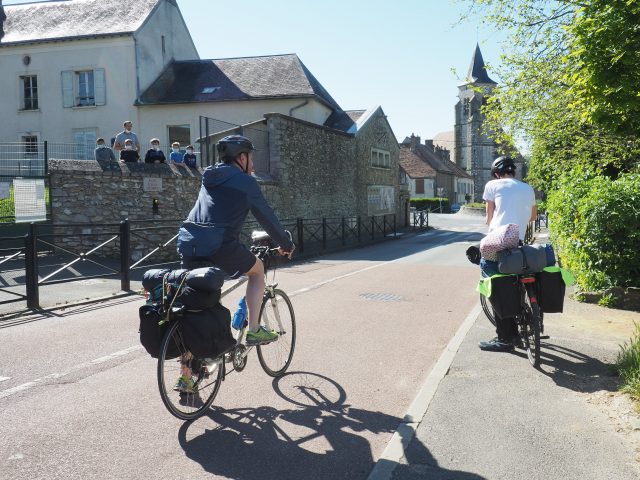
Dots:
pixel 397 54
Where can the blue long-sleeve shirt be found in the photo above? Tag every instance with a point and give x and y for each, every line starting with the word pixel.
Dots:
pixel 226 197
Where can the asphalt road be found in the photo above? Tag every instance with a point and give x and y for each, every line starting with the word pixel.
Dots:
pixel 79 398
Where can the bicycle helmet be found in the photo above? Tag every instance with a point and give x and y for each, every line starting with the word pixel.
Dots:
pixel 503 165
pixel 233 145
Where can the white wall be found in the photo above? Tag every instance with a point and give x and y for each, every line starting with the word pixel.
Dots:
pixel 168 22
pixel 154 119
pixel 51 121
pixel 429 190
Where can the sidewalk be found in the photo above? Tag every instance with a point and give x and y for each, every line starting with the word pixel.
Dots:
pixel 493 416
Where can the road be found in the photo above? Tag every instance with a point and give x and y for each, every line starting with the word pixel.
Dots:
pixel 79 398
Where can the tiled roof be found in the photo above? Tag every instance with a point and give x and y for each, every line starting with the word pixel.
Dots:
pixel 339 120
pixel 65 19
pixel 235 79
pixel 435 161
pixel 414 165
pixel 355 114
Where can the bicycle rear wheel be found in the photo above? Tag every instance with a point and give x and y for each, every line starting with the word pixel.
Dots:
pixel 532 336
pixel 276 313
pixel 486 308
pixel 206 377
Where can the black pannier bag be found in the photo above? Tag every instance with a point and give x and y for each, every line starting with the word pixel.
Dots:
pixel 151 333
pixel 505 296
pixel 551 290
pixel 207 333
pixel 198 299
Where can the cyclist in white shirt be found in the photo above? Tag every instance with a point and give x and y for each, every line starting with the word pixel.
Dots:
pixel 508 201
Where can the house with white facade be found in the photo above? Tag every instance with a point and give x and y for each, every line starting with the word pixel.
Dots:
pixel 71 71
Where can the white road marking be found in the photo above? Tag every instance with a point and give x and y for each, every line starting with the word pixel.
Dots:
pixel 2 379
pixel 75 368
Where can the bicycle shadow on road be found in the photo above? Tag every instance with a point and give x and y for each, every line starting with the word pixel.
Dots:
pixel 575 370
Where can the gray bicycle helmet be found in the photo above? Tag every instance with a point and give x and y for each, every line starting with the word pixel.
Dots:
pixel 233 145
pixel 503 165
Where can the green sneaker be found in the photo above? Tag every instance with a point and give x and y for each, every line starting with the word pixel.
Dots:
pixel 261 337
pixel 184 385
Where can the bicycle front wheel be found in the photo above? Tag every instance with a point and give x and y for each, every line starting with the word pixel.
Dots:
pixel 200 379
pixel 276 313
pixel 486 308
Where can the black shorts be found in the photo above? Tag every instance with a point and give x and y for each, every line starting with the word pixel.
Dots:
pixel 232 257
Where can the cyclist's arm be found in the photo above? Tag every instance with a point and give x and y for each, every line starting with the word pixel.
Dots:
pixel 534 212
pixel 491 208
pixel 267 218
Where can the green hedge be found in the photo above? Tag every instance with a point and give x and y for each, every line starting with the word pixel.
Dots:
pixel 431 204
pixel 594 227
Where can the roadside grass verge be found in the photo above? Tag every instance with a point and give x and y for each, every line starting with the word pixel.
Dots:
pixel 628 365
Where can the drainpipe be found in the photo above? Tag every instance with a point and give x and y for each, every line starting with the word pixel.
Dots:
pixel 297 107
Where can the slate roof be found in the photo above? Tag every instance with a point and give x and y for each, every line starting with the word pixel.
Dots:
pixel 414 165
pixel 68 19
pixel 246 78
pixel 477 70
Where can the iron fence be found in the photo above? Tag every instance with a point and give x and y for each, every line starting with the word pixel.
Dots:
pixel 107 250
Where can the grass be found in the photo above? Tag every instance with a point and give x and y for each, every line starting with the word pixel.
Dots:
pixel 628 365
pixel 475 205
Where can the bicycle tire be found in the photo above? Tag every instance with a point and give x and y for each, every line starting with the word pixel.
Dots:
pixel 488 311
pixel 186 406
pixel 276 356
pixel 532 339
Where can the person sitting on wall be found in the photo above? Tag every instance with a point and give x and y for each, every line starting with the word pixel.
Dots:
pixel 154 154
pixel 190 159
pixel 103 153
pixel 129 155
pixel 176 156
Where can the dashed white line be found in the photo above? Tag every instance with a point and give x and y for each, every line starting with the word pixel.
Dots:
pixel 75 368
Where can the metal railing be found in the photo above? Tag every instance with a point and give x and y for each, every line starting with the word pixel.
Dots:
pixel 108 248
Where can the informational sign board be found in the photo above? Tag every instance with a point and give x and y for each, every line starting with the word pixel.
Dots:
pixel 4 189
pixel 152 184
pixel 29 200
pixel 381 199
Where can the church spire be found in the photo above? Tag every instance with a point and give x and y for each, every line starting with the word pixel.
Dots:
pixel 477 70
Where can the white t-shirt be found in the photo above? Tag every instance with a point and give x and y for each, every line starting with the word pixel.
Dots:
pixel 514 200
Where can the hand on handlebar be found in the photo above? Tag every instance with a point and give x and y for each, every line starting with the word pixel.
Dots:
pixel 286 253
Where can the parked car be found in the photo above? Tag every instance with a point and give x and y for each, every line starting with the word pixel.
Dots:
pixel 455 208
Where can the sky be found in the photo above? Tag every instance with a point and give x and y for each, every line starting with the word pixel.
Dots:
pixel 408 56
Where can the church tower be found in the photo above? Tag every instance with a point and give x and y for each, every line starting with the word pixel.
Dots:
pixel 474 150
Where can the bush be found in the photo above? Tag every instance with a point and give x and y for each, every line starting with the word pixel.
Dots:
pixel 431 204
pixel 628 365
pixel 594 226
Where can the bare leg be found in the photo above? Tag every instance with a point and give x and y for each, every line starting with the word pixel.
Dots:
pixel 255 290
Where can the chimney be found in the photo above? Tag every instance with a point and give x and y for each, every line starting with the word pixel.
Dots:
pixel 3 17
pixel 414 140
pixel 429 144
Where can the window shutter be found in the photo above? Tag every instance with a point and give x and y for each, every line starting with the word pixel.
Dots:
pixel 99 86
pixel 67 88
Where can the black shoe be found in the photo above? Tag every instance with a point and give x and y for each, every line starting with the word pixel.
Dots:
pixel 496 345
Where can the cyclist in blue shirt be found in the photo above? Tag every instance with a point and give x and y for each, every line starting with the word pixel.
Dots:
pixel 211 233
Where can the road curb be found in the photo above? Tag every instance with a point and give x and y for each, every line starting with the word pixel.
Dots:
pixel 393 453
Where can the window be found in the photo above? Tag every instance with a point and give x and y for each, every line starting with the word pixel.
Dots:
pixel 29 92
pixel 83 88
pixel 85 143
pixel 86 93
pixel 419 185
pixel 30 145
pixel 380 158
pixel 164 48
pixel 180 134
